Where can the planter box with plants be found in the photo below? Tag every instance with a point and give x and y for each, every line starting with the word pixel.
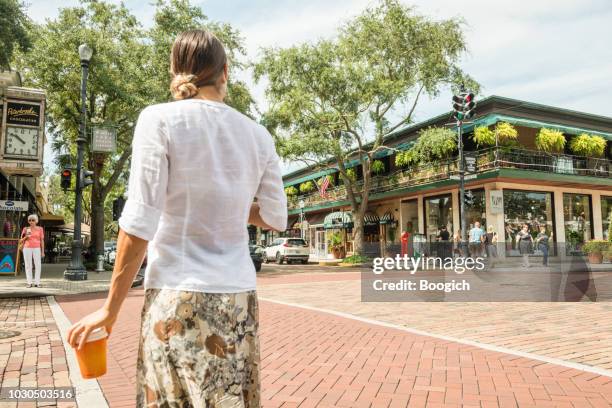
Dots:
pixel 596 249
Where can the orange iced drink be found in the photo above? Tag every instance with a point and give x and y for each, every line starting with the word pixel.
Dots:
pixel 92 357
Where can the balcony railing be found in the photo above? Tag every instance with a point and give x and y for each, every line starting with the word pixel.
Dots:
pixel 486 159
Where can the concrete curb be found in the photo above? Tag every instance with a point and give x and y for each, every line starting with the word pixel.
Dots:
pixel 88 392
pixel 490 347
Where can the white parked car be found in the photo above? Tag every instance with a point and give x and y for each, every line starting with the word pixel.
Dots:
pixel 287 249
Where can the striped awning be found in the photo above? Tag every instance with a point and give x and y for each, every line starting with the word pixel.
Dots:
pixel 370 218
pixel 387 218
pixel 338 219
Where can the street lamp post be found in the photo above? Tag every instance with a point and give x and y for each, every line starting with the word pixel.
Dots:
pixel 76 270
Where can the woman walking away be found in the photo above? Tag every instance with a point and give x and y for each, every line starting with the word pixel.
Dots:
pixel 197 167
pixel 525 244
pixel 490 242
pixel 542 243
pixel 33 240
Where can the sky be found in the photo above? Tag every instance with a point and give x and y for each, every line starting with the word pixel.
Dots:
pixel 554 52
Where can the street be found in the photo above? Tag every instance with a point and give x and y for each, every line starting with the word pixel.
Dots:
pixel 321 346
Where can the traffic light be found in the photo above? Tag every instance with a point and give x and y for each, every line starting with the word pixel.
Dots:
pixel 118 204
pixel 66 179
pixel 464 105
pixel 86 178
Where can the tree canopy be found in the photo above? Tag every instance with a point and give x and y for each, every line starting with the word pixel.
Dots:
pixel 14 30
pixel 129 70
pixel 338 98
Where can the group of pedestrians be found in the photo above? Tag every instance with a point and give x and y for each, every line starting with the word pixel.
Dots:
pixel 481 242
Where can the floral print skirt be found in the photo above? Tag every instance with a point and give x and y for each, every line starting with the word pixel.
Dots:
pixel 198 350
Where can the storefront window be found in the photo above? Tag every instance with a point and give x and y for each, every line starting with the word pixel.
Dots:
pixel 606 216
pixel 438 212
pixel 534 208
pixel 578 221
pixel 475 208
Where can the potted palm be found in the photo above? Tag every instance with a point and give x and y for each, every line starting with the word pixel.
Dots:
pixel 595 250
pixel 336 246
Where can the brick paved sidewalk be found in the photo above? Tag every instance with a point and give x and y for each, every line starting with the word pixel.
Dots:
pixel 53 283
pixel 311 358
pixel 34 356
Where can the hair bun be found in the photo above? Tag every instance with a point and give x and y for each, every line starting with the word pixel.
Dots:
pixel 182 87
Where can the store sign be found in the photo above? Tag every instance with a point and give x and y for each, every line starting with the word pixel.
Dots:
pixel 22 114
pixel 496 201
pixel 10 205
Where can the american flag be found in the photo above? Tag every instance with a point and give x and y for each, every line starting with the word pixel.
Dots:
pixel 324 185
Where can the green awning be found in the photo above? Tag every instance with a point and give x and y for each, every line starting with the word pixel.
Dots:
pixel 312 176
pixel 489 120
pixel 387 218
pixel 338 219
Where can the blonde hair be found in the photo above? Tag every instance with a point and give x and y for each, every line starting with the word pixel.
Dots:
pixel 490 228
pixel 197 59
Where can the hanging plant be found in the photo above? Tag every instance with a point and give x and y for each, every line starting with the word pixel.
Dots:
pixel 291 191
pixel 351 174
pixel 588 145
pixel 306 187
pixel 507 135
pixel 550 140
pixel 378 167
pixel 404 159
pixel 483 136
pixel 433 145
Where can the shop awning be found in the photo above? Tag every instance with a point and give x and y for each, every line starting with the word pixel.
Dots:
pixel 371 218
pixel 48 219
pixel 69 228
pixel 387 218
pixel 315 219
pixel 338 219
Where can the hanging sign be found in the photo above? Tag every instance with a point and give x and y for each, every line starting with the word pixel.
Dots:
pixel 496 201
pixel 104 139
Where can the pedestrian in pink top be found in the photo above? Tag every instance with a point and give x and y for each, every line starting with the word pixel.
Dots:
pixel 33 238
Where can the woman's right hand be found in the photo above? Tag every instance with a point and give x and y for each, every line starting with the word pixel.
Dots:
pixel 78 333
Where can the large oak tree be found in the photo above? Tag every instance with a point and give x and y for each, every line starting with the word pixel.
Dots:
pixel 336 99
pixel 128 71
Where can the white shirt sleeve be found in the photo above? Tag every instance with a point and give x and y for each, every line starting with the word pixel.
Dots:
pixel 271 194
pixel 148 182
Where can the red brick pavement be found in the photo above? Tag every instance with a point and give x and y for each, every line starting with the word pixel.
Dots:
pixel 312 359
pixel 35 357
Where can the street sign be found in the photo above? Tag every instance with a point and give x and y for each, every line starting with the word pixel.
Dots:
pixel 103 139
pixel 470 164
pixel 466 177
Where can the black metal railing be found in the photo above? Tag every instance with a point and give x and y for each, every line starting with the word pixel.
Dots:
pixel 486 159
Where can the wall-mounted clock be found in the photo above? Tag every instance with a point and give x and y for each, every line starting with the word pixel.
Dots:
pixel 22 142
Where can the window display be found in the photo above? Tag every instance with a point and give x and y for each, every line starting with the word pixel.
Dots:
pixel 578 221
pixel 534 208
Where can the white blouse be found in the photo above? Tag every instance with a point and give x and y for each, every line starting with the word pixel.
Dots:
pixel 196 167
